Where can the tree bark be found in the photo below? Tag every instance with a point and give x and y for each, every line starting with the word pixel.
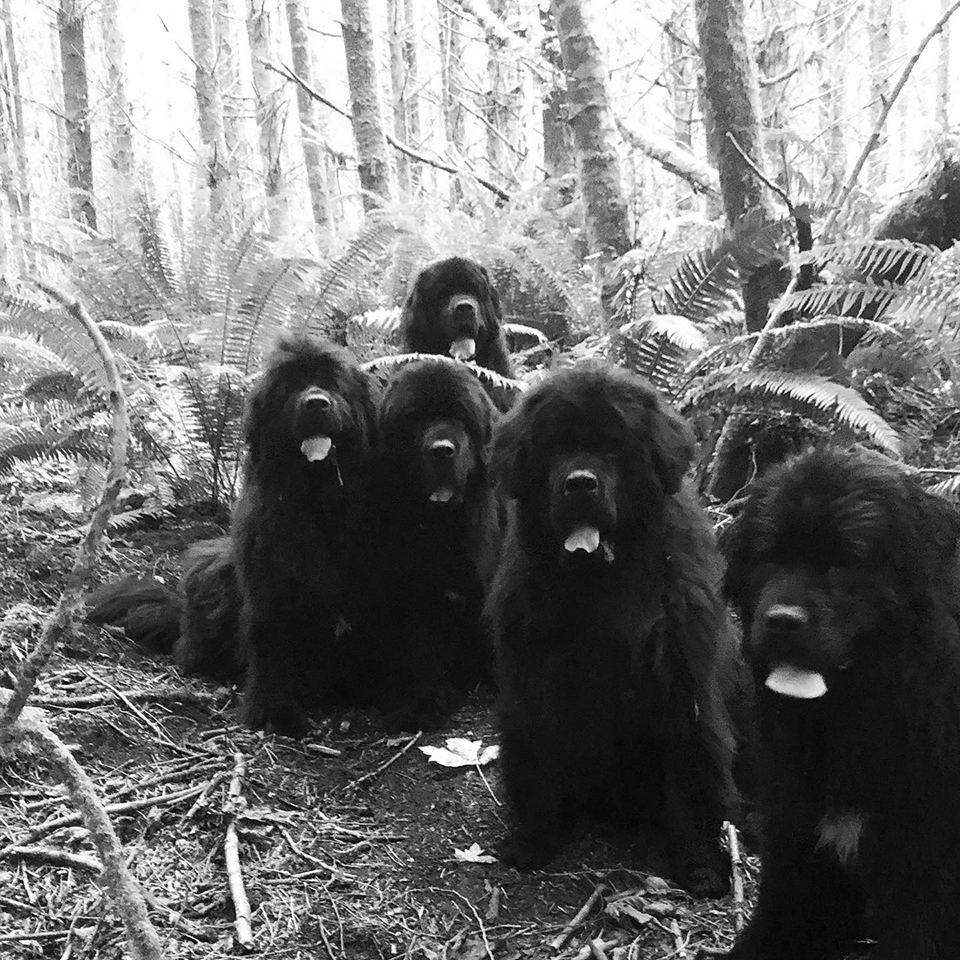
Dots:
pixel 451 80
pixel 606 215
pixel 120 151
pixel 881 20
pixel 731 87
pixel 312 130
pixel 943 72
pixel 271 111
pixel 209 100
pixel 368 125
pixel 503 101
pixel 11 115
pixel 76 112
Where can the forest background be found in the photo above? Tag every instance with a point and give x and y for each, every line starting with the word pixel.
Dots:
pixel 754 204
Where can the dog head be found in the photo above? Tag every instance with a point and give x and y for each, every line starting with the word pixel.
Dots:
pixel 590 454
pixel 310 400
pixel 453 310
pixel 827 565
pixel 435 423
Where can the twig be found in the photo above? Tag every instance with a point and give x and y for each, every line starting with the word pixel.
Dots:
pixel 326 940
pixel 204 795
pixel 596 949
pixel 585 953
pixel 398 145
pixel 60 622
pixel 736 870
pixel 235 805
pixel 128 806
pixel 680 948
pixel 55 858
pixel 353 784
pixel 331 868
pixel 39 935
pixel 30 729
pixel 176 919
pixel 561 938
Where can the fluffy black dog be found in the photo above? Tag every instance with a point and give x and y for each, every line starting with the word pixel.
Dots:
pixel 299 529
pixel 198 623
pixel 454 310
pixel 845 573
pixel 613 645
pixel 438 538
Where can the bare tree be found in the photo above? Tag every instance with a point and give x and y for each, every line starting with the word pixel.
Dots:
pixel 943 71
pixel 451 92
pixel 403 33
pixel 368 126
pixel 209 99
pixel 271 111
pixel 504 100
pixel 120 126
pixel 311 123
pixel 606 216
pixel 16 173
pixel 76 112
pixel 880 18
pixel 731 88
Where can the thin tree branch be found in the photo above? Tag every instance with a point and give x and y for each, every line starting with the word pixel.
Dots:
pixel 399 145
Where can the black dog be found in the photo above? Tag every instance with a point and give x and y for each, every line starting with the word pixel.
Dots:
pixel 453 309
pixel 846 575
pixel 300 528
pixel 438 537
pixel 614 646
pixel 198 623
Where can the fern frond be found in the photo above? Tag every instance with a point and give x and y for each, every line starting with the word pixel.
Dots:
pixel 481 373
pixel 824 395
pixel 523 330
pixel 896 261
pixel 706 282
pixel 849 298
pixel 949 489
pixel 384 321
pixel 680 331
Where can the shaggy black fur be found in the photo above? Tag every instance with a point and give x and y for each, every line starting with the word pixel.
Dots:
pixel 148 610
pixel 210 622
pixel 453 309
pixel 614 647
pixel 438 538
pixel 300 526
pixel 198 623
pixel 846 576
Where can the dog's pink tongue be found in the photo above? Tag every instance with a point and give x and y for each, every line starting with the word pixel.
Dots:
pixel 463 349
pixel 316 448
pixel 442 495
pixel 583 538
pixel 791 681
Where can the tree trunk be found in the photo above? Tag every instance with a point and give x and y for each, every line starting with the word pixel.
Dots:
pixel 271 111
pixel 606 216
pixel 368 126
pixel 681 90
pixel 558 152
pixel 731 88
pixel 73 64
pixel 943 72
pixel 881 22
pixel 403 33
pixel 503 102
pixel 209 100
pixel 312 130
pixel 11 112
pixel 227 65
pixel 832 85
pixel 120 150
pixel 451 79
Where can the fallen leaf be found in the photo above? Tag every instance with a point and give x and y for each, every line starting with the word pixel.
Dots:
pixel 460 752
pixel 473 854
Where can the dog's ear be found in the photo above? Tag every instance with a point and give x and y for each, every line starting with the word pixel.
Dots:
pixel 672 446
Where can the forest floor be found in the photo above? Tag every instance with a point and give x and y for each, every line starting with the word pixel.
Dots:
pixel 352 843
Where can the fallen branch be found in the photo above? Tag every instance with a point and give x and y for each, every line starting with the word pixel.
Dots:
pixel 736 870
pixel 55 858
pixel 561 938
pixel 383 766
pixel 30 730
pixel 234 806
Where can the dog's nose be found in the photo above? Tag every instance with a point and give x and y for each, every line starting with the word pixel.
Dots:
pixel 442 449
pixel 316 400
pixel 785 619
pixel 581 481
